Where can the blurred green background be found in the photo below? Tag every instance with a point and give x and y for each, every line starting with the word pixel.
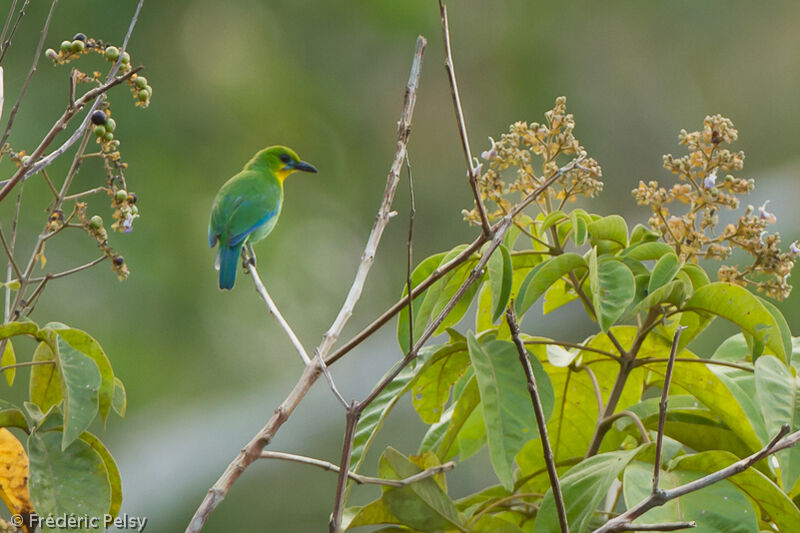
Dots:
pixel 205 369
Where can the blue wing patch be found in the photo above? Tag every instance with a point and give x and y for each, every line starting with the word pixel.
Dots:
pixel 235 240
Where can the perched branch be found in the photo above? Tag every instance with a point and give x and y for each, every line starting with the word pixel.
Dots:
pixel 358 478
pixel 311 372
pixel 472 171
pixel 540 419
pixel 275 312
pixel 662 406
pixel 657 499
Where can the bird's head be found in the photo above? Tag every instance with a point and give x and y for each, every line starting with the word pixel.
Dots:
pixel 281 160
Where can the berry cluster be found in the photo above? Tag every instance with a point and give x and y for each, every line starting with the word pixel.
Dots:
pixel 81 45
pixel 693 234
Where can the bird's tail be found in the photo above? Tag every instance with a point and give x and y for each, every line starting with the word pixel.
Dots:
pixel 228 262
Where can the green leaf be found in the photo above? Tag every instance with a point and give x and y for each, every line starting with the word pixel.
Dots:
pixel 501 277
pixel 780 321
pixel 718 508
pixel 70 480
pixel 452 283
pixel 696 275
pixel 642 233
pixel 80 382
pixel 373 416
pixel 25 327
pixel 507 409
pixel 114 479
pixel 778 393
pixel 428 297
pixel 422 505
pixel 12 416
pixel 9 358
pixel 436 378
pixel 120 402
pixel 741 307
pixel 560 293
pixel 88 346
pixel 646 251
pixel 673 292
pixel 583 487
pixel 611 228
pixel 45 384
pixel 465 404
pixel 493 524
pixel 773 502
pixel 613 289
pixel 543 276
pixel 554 217
pixel 579 228
pixel 664 271
pixel 375 512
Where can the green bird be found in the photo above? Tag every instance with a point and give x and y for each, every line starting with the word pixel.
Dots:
pixel 247 207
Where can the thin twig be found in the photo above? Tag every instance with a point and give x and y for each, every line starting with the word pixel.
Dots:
pixel 662 406
pixel 540 418
pixel 462 128
pixel 85 193
pixel 275 312
pixel 358 478
pixel 5 43
pixel 636 420
pixel 713 362
pixel 665 526
pixel 621 523
pixel 595 385
pixel 410 255
pixel 26 363
pixel 37 54
pixel 49 182
pixel 311 372
pixel 74 270
pixel 581 347
pixel 353 416
pixel 10 254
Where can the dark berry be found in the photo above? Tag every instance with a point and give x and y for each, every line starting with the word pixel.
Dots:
pixel 131 197
pixel 118 260
pixel 79 37
pixel 99 118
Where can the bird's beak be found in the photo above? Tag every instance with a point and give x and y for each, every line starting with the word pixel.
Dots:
pixel 305 167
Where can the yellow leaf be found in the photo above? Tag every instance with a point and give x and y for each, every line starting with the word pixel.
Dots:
pixel 14 474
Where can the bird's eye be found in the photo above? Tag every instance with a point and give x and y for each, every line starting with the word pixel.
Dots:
pixel 286 158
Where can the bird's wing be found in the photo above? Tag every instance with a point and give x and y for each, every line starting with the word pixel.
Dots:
pixel 243 204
